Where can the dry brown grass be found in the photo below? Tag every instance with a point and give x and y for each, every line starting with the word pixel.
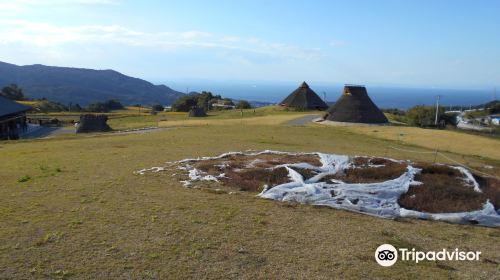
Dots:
pixel 363 173
pixel 306 173
pixel 252 172
pixel 490 188
pixel 112 224
pixel 373 174
pixel 443 191
pixel 366 161
pixel 253 180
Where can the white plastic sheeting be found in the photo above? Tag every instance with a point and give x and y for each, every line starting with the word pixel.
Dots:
pixel 377 199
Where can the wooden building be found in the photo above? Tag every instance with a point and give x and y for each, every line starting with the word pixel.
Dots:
pixel 12 119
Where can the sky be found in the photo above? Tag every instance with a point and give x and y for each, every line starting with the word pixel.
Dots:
pixel 426 43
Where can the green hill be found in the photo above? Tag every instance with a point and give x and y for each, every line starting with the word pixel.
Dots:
pixel 84 86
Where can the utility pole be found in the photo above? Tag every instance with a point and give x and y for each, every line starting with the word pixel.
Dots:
pixel 437 110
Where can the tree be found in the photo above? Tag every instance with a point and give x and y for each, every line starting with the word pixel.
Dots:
pixel 76 108
pixel 243 104
pixel 494 109
pixel 204 100
pixel 102 107
pixel 13 92
pixel 423 115
pixel 113 104
pixel 157 108
pixel 185 103
pixel 50 106
pixel 97 107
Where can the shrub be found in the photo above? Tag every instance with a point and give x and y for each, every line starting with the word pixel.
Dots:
pixel 12 92
pixel 185 103
pixel 423 115
pixel 97 107
pixel 50 106
pixel 103 107
pixel 75 108
pixel 23 179
pixel 394 111
pixel 157 108
pixel 243 104
pixel 113 104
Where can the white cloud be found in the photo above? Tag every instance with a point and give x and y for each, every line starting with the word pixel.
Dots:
pixel 337 43
pixel 194 34
pixel 23 4
pixel 50 37
pixel 13 7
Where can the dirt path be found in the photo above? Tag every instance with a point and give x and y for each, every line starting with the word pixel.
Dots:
pixel 303 120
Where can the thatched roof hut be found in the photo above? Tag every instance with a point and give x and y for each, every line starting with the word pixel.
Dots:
pixel 304 97
pixel 93 123
pixel 197 112
pixel 355 106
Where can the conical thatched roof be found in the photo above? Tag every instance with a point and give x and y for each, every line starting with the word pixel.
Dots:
pixel 197 112
pixel 304 97
pixel 355 106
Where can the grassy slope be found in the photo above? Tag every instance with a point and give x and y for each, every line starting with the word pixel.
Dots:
pixel 83 214
pixel 443 140
pixel 135 117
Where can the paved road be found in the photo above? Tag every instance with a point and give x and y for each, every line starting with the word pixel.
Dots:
pixel 303 120
pixel 46 132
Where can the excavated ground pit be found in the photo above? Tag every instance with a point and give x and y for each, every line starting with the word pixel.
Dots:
pixel 376 186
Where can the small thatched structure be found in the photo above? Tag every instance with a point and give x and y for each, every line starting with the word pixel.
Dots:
pixel 197 112
pixel 355 106
pixel 92 123
pixel 304 98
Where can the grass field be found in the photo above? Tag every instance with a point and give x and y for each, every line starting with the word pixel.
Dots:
pixel 442 140
pixel 135 117
pixel 71 208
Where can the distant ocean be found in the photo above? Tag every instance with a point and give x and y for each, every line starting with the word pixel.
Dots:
pixel 384 97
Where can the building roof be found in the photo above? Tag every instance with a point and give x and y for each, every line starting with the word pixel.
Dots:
pixel 304 97
pixel 9 107
pixel 354 105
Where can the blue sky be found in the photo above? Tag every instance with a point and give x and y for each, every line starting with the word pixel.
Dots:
pixel 423 43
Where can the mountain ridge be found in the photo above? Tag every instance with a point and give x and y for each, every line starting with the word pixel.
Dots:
pixel 83 85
